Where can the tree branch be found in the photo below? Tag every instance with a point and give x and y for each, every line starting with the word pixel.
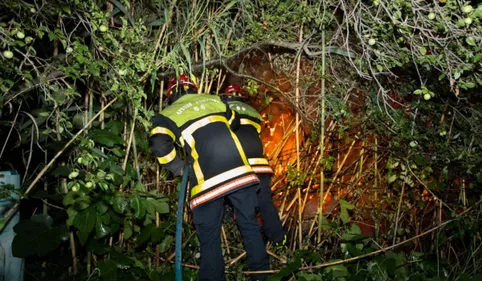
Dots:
pixel 223 61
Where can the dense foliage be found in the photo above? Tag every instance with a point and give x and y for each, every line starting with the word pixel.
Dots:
pixel 80 81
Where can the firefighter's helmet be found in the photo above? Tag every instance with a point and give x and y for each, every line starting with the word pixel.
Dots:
pixel 235 92
pixel 184 82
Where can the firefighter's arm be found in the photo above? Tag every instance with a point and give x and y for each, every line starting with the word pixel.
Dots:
pixel 161 142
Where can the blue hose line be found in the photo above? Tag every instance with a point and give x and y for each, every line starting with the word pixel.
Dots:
pixel 180 209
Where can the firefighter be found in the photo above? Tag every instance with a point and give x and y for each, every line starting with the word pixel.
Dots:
pixel 200 124
pixel 248 135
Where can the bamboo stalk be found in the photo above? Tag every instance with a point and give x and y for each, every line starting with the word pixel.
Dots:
pixel 397 217
pixel 129 143
pixel 282 143
pixel 221 79
pixel 236 259
pixel 297 93
pixel 134 150
pixel 74 253
pixel 375 184
pixel 223 232
pixel 305 199
pixel 322 199
pixel 89 263
pixel 230 33
pixel 322 135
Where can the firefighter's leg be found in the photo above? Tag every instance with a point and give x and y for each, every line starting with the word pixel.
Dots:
pixel 271 222
pixel 244 202
pixel 207 219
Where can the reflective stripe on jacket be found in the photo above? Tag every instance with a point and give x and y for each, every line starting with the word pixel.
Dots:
pixel 200 124
pixel 248 134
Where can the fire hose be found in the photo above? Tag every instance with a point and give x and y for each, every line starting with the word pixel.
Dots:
pixel 180 209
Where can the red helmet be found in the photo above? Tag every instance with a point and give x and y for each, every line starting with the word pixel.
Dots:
pixel 183 80
pixel 235 91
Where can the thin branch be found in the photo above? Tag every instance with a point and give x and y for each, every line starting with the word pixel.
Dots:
pixel 374 252
pixel 12 210
pixel 222 61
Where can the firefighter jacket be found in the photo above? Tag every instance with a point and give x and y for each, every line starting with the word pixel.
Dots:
pixel 200 124
pixel 248 134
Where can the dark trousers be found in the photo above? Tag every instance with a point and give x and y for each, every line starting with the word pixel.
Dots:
pixel 271 221
pixel 208 219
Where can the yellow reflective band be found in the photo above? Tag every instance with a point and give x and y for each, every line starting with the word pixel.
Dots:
pixel 245 121
pixel 258 161
pixel 195 156
pixel 168 158
pixel 233 173
pixel 232 117
pixel 203 122
pixel 162 130
pixel 187 137
pixel 240 148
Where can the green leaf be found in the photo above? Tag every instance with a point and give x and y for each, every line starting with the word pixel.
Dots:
pixel 338 270
pixel 82 203
pixel 127 231
pixel 145 234
pixel 101 230
pixel 106 138
pixel 97 247
pixel 124 10
pixel 477 58
pixel 35 236
pixel 117 170
pixel 119 204
pixel 51 239
pixel 422 50
pixel 457 74
pixel 157 234
pixel 108 270
pixel 353 234
pixel 345 217
pixel 345 205
pixel 156 23
pixel 116 127
pixel 43 219
pixel 150 208
pixel 160 205
pixel 140 187
pixel 470 40
pixel 420 160
pixel 391 266
pixel 85 222
pixel 392 178
pixel 70 197
pixel 460 23
pixel 355 229
pixel 165 244
pixel 72 214
pixel 121 260
pixel 101 207
pixel 303 275
pixel 139 209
